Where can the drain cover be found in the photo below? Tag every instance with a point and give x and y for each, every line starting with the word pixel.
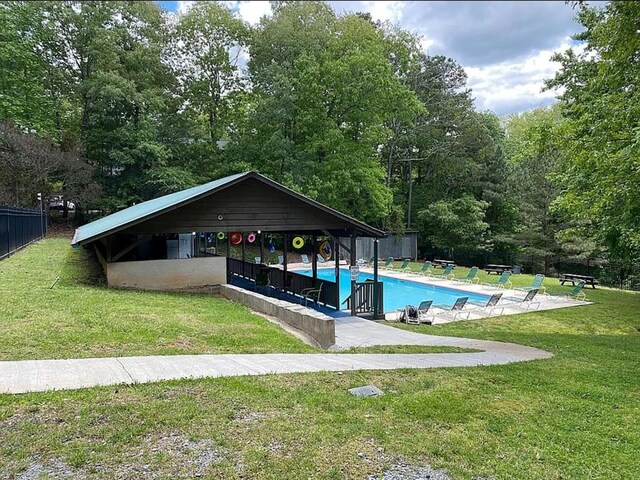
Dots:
pixel 366 391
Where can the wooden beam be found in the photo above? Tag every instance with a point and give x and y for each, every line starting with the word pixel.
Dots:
pixel 337 240
pixel 101 259
pixel 124 251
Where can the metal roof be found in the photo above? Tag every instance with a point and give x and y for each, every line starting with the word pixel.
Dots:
pixel 151 208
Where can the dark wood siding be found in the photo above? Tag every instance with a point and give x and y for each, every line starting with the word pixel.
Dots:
pixel 248 206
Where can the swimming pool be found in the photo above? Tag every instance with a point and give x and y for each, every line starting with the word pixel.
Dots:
pixel 398 292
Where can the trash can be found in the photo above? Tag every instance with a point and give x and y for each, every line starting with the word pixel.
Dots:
pixel 516 269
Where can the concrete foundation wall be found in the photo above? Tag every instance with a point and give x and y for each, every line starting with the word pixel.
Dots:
pixel 176 274
pixel 316 325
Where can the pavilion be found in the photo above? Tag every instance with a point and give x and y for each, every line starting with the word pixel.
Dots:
pixel 189 239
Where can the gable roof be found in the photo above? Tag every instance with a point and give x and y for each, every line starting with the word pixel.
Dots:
pixel 143 211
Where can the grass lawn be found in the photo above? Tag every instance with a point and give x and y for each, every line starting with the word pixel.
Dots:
pixel 573 416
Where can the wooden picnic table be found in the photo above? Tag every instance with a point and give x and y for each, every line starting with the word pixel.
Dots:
pixel 442 263
pixel 498 269
pixel 574 277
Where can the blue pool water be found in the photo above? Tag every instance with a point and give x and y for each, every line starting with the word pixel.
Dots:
pixel 398 292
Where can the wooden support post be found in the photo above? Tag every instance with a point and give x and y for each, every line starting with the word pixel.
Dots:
pixel 228 257
pixel 284 261
pixel 262 249
pixel 352 262
pixel 314 259
pixel 336 247
pixel 242 248
pixel 376 313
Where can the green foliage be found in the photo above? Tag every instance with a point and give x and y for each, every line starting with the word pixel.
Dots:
pixel 601 100
pixel 456 224
pixel 323 89
pixel 534 145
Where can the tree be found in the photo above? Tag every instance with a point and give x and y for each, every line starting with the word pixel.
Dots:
pixel 323 89
pixel 457 223
pixel 601 100
pixel 30 165
pixel 534 148
pixel 206 46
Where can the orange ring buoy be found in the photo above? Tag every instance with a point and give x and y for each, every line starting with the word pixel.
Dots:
pixel 235 238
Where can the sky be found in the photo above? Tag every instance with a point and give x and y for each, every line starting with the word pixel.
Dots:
pixel 505 47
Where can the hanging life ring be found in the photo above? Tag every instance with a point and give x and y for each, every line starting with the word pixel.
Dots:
pixel 298 243
pixel 221 235
pixel 325 250
pixel 236 238
pixel 251 237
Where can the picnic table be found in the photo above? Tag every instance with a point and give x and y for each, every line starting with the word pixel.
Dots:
pixel 442 263
pixel 573 278
pixel 498 269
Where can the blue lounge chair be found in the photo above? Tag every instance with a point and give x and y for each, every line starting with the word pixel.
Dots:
pixel 453 311
pixel 304 259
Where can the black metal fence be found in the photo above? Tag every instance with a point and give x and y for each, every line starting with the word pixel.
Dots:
pixel 19 227
pixel 609 273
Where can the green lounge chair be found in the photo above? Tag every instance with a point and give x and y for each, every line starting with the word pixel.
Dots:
pixel 503 281
pixel 388 264
pixel 454 311
pixel 447 273
pixel 420 316
pixel 472 276
pixel 489 306
pixel 304 259
pixel 424 270
pixel 524 303
pixel 535 284
pixel 577 293
pixel 320 258
pixel 402 268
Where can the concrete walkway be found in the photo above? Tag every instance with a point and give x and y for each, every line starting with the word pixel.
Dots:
pixel 42 375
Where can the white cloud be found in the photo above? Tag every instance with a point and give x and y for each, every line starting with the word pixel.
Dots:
pixel 251 11
pixel 383 11
pixel 184 6
pixel 502 86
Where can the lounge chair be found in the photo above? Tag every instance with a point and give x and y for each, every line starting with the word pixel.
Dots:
pixel 312 293
pixel 472 276
pixel 388 264
pixel 258 260
pixel 453 311
pixel 304 259
pixel 402 268
pixel 424 270
pixel 421 315
pixel 280 260
pixel 489 306
pixel 503 281
pixel 320 258
pixel 447 273
pixel 523 303
pixel 577 293
pixel 535 284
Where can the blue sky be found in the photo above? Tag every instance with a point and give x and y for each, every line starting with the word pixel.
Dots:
pixel 505 47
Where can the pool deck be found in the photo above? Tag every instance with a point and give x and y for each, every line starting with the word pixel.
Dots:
pixel 541 301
